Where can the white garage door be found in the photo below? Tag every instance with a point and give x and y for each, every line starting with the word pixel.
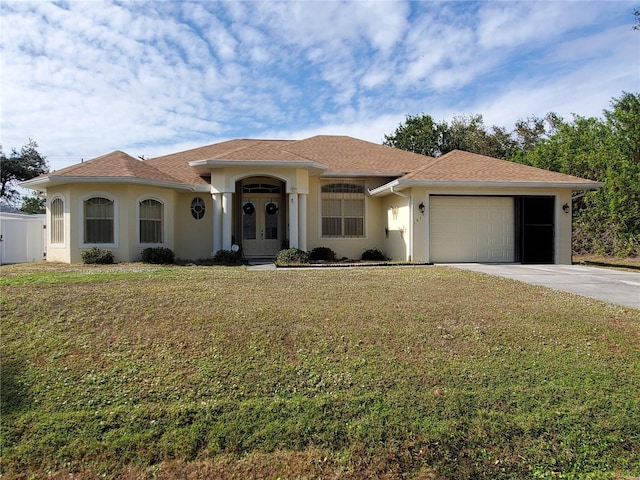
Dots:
pixel 471 229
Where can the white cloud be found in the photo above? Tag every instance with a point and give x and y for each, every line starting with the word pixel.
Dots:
pixel 85 78
pixel 521 24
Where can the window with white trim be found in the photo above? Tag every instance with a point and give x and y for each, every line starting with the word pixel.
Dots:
pixel 99 220
pixel 151 221
pixel 56 228
pixel 343 206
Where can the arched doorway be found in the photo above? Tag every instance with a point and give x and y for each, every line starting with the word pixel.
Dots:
pixel 262 215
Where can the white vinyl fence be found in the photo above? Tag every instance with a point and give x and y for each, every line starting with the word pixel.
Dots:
pixel 22 238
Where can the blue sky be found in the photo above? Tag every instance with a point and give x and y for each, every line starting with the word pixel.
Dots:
pixel 84 78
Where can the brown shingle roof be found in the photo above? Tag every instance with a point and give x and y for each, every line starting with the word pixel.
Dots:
pixel 350 155
pixel 116 164
pixel 341 155
pixel 177 164
pixel 463 166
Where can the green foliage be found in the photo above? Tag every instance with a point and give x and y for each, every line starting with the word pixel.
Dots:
pixel 470 134
pixel 33 205
pixel 96 255
pixel 226 257
pixel 19 167
pixel 606 221
pixel 291 256
pixel 373 254
pixel 322 253
pixel 419 134
pixel 158 255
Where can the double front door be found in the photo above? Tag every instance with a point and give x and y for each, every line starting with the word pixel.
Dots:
pixel 261 225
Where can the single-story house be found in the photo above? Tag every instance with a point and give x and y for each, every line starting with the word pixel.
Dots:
pixel 325 191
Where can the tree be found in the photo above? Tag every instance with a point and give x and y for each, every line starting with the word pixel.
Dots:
pixel 636 13
pixel 19 167
pixel 33 205
pixel 528 133
pixel 607 220
pixel 469 133
pixel 419 134
pixel 624 121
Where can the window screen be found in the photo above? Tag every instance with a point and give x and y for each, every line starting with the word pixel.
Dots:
pixel 98 220
pixel 150 221
pixel 343 208
pixel 57 221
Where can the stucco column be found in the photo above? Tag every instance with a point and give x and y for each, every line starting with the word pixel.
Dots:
pixel 293 220
pixel 302 221
pixel 217 222
pixel 226 220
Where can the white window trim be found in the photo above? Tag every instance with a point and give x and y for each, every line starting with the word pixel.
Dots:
pixel 140 199
pixel 57 196
pixel 116 220
pixel 366 208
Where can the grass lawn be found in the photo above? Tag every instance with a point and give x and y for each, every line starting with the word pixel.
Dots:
pixel 614 262
pixel 136 371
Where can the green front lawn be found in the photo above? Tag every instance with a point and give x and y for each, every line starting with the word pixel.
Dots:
pixel 137 371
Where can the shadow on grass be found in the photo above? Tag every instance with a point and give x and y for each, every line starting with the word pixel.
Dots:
pixel 14 393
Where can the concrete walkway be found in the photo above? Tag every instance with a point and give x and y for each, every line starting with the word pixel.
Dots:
pixel 621 287
pixel 261 266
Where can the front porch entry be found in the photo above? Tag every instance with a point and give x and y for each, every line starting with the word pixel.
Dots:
pixel 261 214
pixel 262 217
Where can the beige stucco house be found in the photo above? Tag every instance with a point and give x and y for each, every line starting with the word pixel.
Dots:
pixel 325 191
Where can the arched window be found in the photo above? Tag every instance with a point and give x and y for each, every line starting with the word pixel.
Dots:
pixel 151 221
pixel 99 220
pixel 343 208
pixel 57 221
pixel 260 188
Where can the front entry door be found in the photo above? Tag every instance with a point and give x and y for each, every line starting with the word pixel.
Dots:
pixel 261 229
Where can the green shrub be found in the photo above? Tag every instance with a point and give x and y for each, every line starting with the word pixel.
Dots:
pixel 373 254
pixel 291 256
pixel 226 257
pixel 322 253
pixel 158 255
pixel 97 255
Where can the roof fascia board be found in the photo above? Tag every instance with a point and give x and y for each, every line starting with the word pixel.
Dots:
pixel 385 189
pixel 397 185
pixel 220 163
pixel 503 184
pixel 334 174
pixel 53 180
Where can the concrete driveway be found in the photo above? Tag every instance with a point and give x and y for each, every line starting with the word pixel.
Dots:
pixel 621 287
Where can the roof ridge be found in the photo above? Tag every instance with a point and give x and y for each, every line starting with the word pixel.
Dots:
pixel 243 147
pixel 156 169
pixel 255 142
pixel 430 163
pixel 82 162
pixel 116 164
